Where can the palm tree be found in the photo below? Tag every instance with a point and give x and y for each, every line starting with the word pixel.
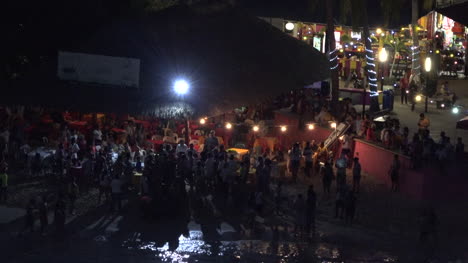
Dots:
pixel 358 11
pixel 397 46
pixel 416 64
pixel 331 46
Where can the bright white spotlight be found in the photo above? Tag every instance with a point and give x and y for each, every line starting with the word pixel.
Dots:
pixel 455 110
pixel 442 105
pixel 181 87
pixel 228 126
pixel 418 98
pixel 289 26
pixel 428 64
pixel 256 128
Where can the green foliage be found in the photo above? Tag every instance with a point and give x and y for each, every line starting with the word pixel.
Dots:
pixel 345 38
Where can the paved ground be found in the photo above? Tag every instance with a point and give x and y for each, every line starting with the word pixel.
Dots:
pixel 386 230
pixel 441 120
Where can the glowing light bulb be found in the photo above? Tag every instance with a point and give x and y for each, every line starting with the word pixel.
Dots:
pixel 418 98
pixel 333 125
pixel 283 128
pixel 311 127
pixel 202 121
pixel 228 126
pixel 256 128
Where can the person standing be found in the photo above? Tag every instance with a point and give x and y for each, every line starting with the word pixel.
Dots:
pixel 294 161
pixel 394 173
pixel 116 188
pixel 423 123
pixel 43 211
pixel 404 88
pixel 339 203
pixel 341 172
pixel 307 153
pixel 310 210
pixel 3 182
pixel 459 149
pixel 299 208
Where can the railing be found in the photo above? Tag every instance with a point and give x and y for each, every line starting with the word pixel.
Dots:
pixel 445 3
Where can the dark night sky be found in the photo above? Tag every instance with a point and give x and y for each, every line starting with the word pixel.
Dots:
pixel 298 10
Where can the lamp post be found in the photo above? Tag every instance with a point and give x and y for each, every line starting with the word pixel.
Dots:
pixel 181 88
pixel 428 69
pixel 383 56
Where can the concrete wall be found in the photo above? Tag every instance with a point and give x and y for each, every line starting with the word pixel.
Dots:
pixel 424 184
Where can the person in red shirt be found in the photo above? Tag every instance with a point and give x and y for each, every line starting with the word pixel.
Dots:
pixel 404 88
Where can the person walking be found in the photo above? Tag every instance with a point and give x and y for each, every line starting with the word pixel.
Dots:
pixel 294 161
pixel 60 214
pixel 29 223
pixel 73 192
pixel 311 204
pixel 299 208
pixel 394 173
pixel 356 175
pixel 327 178
pixel 350 207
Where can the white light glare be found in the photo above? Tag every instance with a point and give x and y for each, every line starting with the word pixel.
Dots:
pixel 181 87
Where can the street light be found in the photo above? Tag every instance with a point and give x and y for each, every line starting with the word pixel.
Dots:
pixel 455 110
pixel 289 26
pixel 181 87
pixel 428 64
pixel 418 98
pixel 383 56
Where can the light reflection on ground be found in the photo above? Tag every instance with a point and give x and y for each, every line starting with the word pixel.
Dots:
pixel 194 248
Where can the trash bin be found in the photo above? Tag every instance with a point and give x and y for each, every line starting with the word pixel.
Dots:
pixel 388 98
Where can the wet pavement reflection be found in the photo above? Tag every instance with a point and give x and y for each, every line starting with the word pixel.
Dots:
pixel 193 248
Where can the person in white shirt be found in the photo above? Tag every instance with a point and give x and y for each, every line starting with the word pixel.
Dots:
pixel 97 134
pixel 181 147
